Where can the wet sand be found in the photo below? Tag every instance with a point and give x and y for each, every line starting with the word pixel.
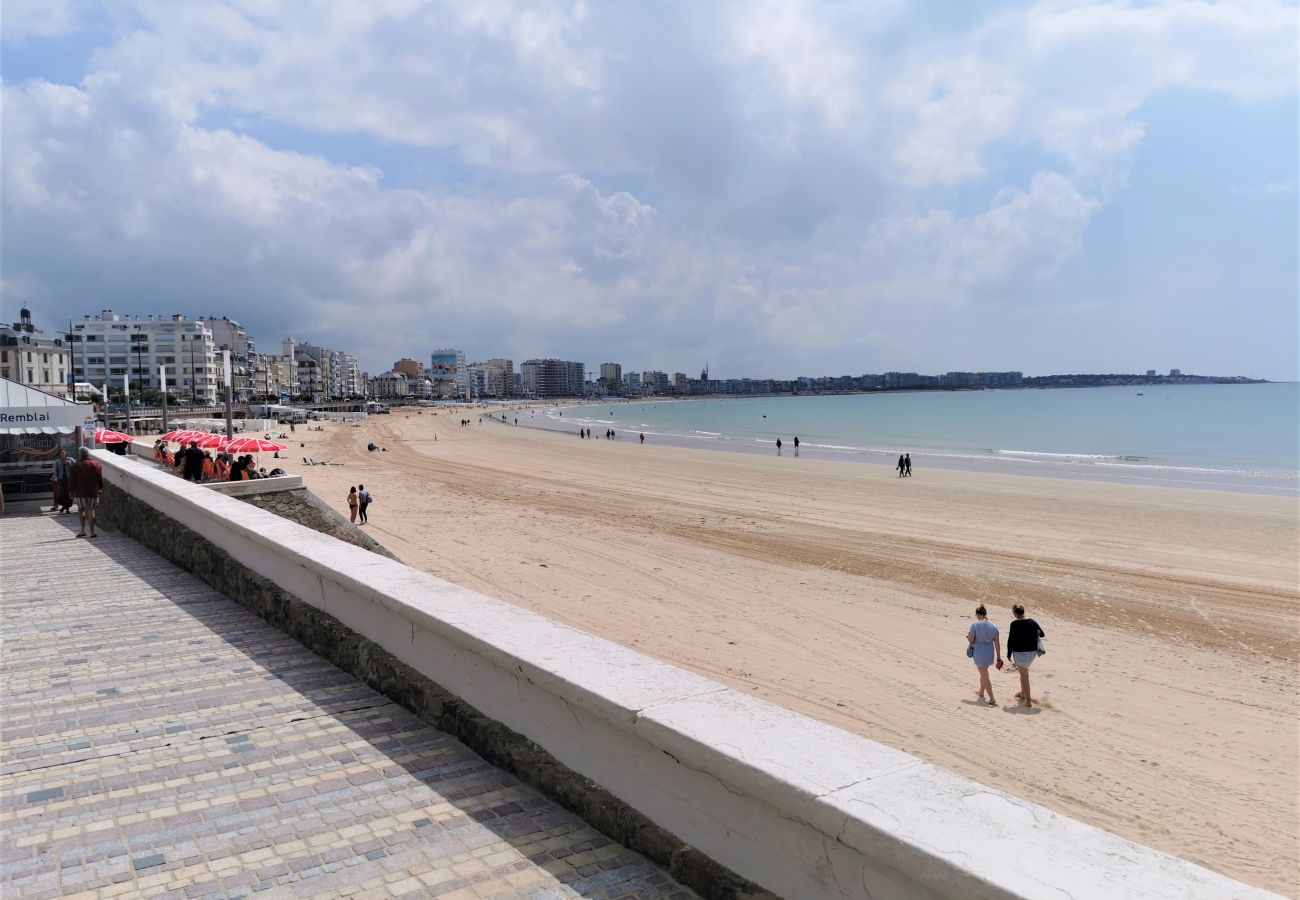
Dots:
pixel 1169 693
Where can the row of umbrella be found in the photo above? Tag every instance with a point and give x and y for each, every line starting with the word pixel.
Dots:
pixel 204 439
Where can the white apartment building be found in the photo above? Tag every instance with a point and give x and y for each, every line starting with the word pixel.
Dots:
pixel 29 358
pixel 228 334
pixel 108 348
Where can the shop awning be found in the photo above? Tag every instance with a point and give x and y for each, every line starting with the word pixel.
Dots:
pixel 26 410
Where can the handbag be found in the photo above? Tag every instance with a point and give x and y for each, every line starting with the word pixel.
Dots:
pixel 1041 649
pixel 970 651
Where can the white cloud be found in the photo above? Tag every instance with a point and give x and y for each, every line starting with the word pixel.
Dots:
pixel 739 182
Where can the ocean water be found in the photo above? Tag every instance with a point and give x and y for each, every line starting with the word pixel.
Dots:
pixel 1233 437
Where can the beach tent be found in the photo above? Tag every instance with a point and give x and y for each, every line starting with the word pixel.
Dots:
pixel 33 426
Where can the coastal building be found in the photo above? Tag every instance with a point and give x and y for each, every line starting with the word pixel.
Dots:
pixel 449 374
pixel 345 375
pixel 29 358
pixel 632 384
pixel 654 383
pixel 505 369
pixel 553 377
pixel 228 334
pixel 390 385
pixel 1175 373
pixel 1151 373
pixel 109 348
pixel 409 367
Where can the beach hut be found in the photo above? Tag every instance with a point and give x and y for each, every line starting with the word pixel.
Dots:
pixel 33 426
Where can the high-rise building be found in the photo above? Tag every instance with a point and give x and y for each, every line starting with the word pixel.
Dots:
pixel 109 348
pixel 611 372
pixel 506 374
pixel 632 380
pixel 228 334
pixel 409 367
pixel 30 358
pixel 449 374
pixel 553 377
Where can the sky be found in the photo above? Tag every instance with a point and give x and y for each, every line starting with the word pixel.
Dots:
pixel 772 189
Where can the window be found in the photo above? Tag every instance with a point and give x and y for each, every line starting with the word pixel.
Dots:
pixel 45 376
pixel 92 337
pixel 30 379
pixel 29 356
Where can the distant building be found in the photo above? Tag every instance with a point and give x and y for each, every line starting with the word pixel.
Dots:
pixel 409 367
pixel 1175 373
pixel 553 377
pixel 31 359
pixel 227 334
pixel 1151 373
pixel 109 348
pixel 500 377
pixel 449 374
pixel 390 385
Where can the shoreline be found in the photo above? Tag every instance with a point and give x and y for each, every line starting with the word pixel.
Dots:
pixel 1116 473
pixel 1169 693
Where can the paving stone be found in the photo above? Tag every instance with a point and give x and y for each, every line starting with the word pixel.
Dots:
pixel 210 713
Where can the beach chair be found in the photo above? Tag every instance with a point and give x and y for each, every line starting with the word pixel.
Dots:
pixel 307 461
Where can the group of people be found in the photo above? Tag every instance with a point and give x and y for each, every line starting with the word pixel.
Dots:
pixel 196 464
pixel 359 500
pixel 905 466
pixel 779 445
pixel 79 482
pixel 1024 646
pixel 609 434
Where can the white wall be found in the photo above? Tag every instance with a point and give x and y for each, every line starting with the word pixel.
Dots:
pixel 803 809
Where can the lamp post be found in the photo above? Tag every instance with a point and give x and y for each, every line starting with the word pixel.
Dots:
pixel 225 368
pixel 126 392
pixel 162 379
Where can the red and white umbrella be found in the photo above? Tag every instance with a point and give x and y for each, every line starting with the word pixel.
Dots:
pixel 254 445
pixel 107 436
pixel 180 435
pixel 210 441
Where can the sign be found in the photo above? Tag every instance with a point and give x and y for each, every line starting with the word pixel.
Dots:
pixel 41 419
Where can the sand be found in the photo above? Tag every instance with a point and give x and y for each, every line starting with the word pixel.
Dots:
pixel 1169 702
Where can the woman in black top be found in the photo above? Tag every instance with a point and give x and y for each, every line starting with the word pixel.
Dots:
pixel 1022 645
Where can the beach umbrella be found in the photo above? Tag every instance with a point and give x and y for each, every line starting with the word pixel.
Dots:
pixel 107 436
pixel 254 445
pixel 210 441
pixel 173 435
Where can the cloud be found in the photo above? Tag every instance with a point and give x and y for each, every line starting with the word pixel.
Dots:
pixel 770 187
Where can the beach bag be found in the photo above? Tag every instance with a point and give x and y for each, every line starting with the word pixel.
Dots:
pixel 970 651
pixel 1041 649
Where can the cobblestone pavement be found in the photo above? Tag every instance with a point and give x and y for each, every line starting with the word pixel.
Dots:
pixel 160 740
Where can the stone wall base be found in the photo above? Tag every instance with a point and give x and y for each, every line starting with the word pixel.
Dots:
pixel 378 669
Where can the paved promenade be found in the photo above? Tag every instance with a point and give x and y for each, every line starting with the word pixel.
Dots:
pixel 159 740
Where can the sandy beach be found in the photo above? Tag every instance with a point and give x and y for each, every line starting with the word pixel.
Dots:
pixel 1169 695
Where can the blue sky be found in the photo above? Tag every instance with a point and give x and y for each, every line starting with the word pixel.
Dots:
pixel 775 188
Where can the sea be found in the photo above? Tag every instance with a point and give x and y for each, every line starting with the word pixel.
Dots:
pixel 1237 437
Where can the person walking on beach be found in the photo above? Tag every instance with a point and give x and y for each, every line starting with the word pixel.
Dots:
pixel 352 505
pixel 778 446
pixel 643 437
pixel 796 445
pixel 60 482
pixel 907 464
pixel 1022 647
pixel 985 644
pixel 364 499
pixel 86 484
pixel 900 466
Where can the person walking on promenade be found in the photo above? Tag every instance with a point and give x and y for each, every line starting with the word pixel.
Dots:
pixel 778 446
pixel 1022 647
pixel 907 464
pixel 352 505
pixel 363 499
pixel 87 483
pixel 60 482
pixel 796 445
pixel 985 644
pixel 900 466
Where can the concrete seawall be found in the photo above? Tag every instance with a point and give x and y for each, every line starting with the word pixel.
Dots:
pixel 736 796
